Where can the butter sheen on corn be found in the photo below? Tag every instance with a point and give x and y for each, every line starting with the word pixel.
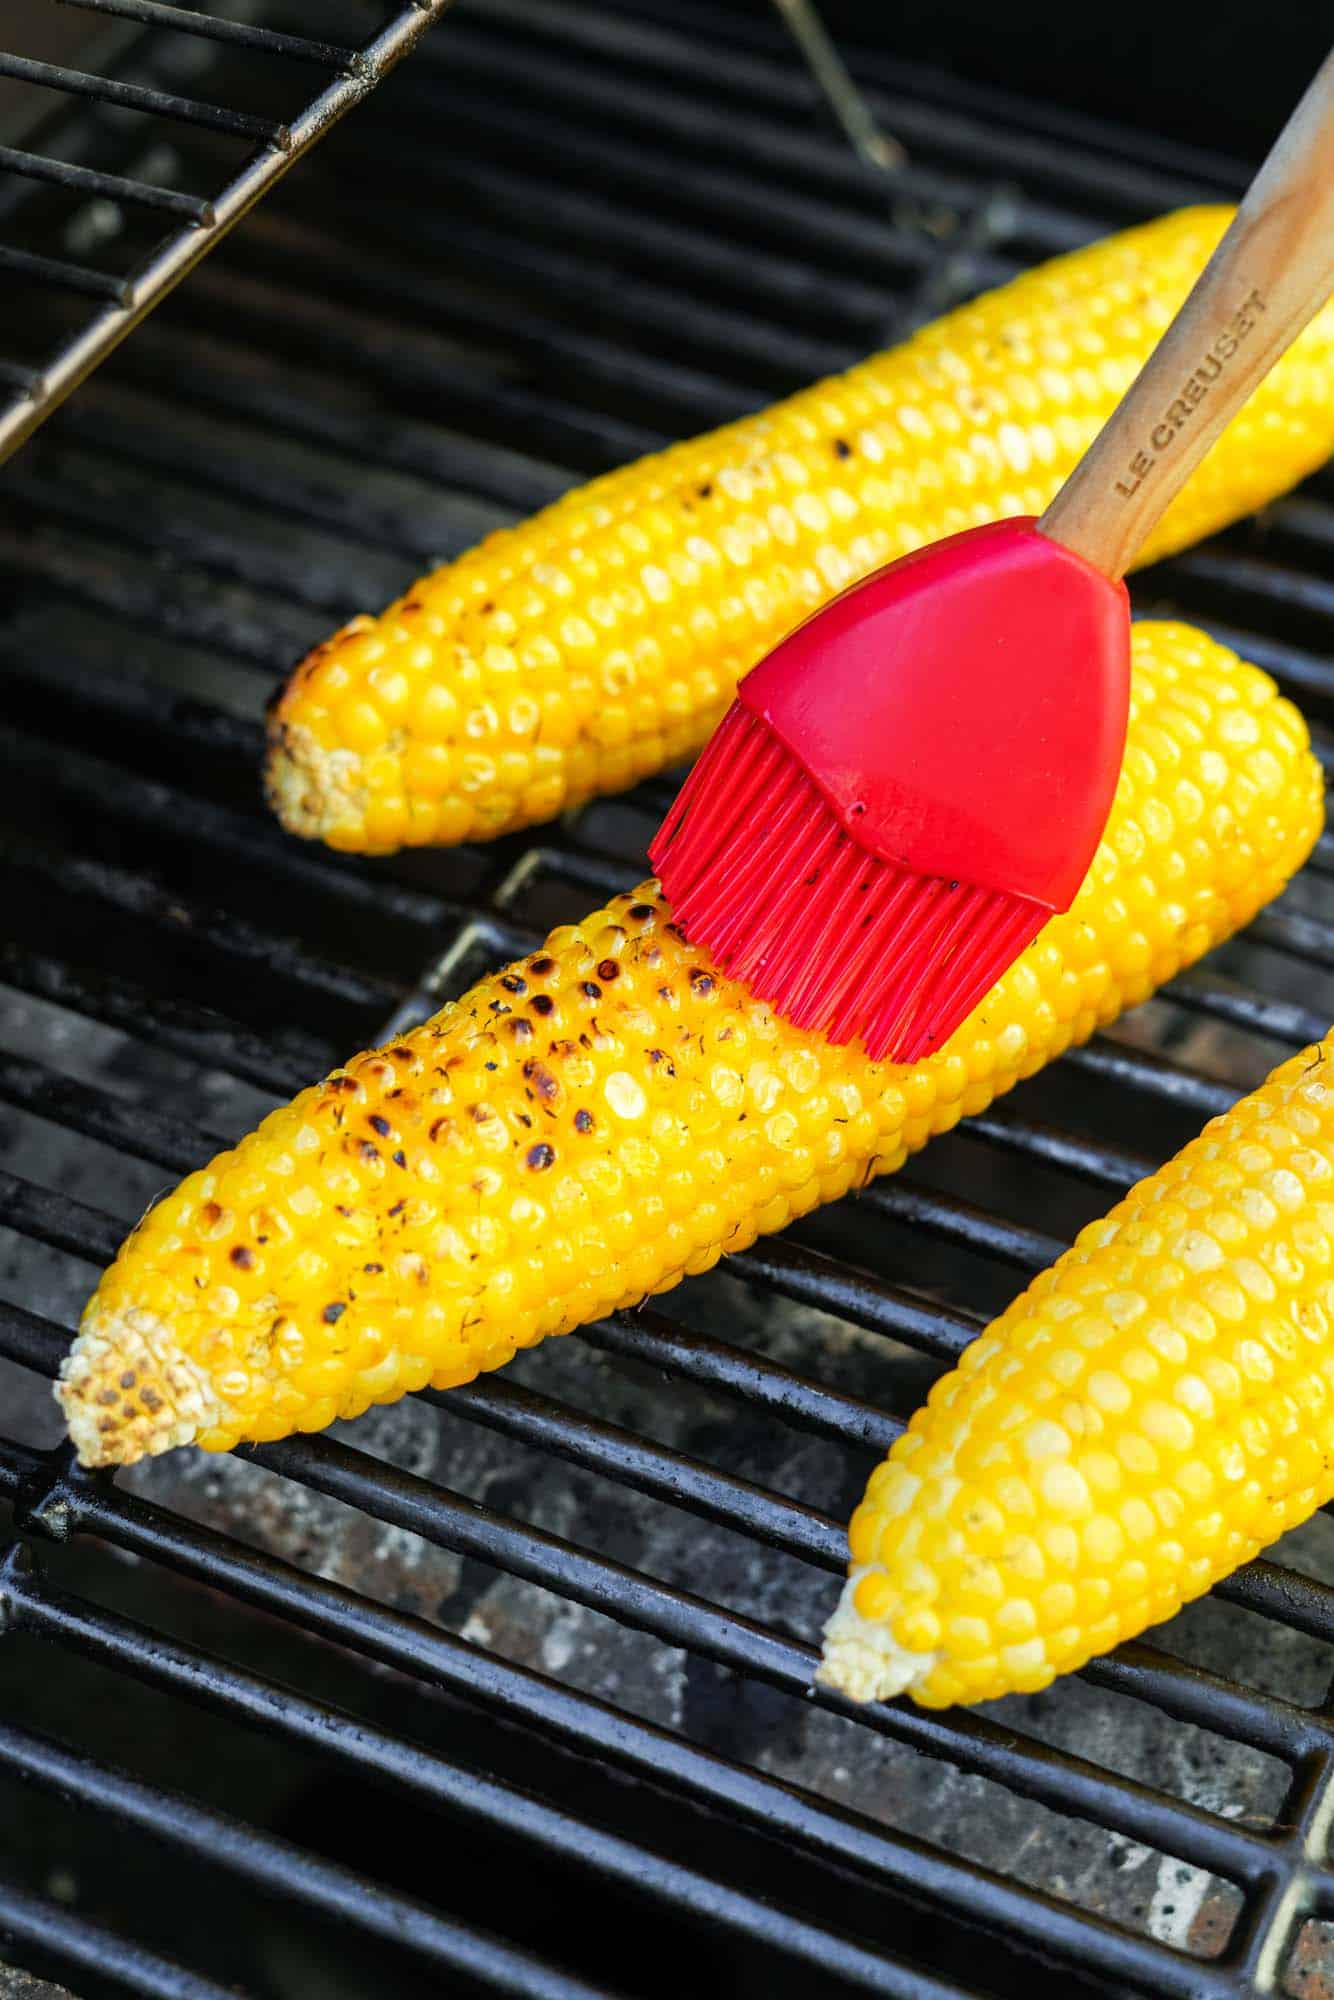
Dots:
pixel 612 1113
pixel 603 639
pixel 1154 1410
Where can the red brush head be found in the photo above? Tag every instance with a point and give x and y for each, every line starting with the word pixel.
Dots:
pixel 907 787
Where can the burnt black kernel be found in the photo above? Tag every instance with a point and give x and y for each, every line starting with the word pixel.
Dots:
pixel 488 607
pixel 641 912
pixel 842 449
pixel 242 1258
pixel 701 982
pixel 367 1151
pixel 400 1159
pixel 542 966
pixel 705 491
pixel 380 1125
pixel 344 1083
pixel 128 1379
pixel 609 970
pixel 403 1053
pixel 480 1113
pixel 656 1055
pixel 512 983
pixel 491 1065
pixel 398 1207
pixel 954 885
pixel 583 1121
pixel 521 1030
pixel 524 1120
pixel 542 1003
pixel 332 1314
pixel 591 990
pixel 543 1082
pixel 541 1156
pixel 499 1007
pixel 372 1267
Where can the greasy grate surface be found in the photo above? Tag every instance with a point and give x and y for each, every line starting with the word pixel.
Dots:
pixel 507 1690
pixel 108 209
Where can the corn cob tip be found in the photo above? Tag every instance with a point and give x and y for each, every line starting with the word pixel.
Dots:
pixel 128 1391
pixel 862 1658
pixel 312 790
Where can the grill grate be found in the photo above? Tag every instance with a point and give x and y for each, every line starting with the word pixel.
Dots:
pixel 459 1689
pixel 111 165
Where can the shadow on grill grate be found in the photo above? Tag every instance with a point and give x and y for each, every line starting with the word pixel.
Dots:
pixel 510 1686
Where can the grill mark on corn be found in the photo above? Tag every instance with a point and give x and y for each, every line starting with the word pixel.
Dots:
pixel 746 1123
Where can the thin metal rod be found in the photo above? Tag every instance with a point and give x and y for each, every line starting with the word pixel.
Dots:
pixel 137 97
pixel 855 116
pixel 112 187
pixel 67 277
pixel 152 13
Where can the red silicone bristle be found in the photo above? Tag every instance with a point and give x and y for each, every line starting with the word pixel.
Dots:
pixel 760 872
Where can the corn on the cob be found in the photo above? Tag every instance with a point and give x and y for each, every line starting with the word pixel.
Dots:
pixel 612 1113
pixel 1151 1412
pixel 577 652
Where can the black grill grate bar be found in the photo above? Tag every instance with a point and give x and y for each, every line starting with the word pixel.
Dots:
pixel 608 47
pixel 1087 1159
pixel 282 1061
pixel 1061 1780
pixel 416 1771
pixel 221 552
pixel 139 97
pixel 111 187
pixel 754 205
pixel 655 1469
pixel 240 34
pixel 755 1381
pixel 397 1639
pixel 75 1945
pixel 235 382
pixel 703 331
pixel 68 277
pixel 752 34
pixel 379 280
pixel 72 1502
pixel 136 429
pixel 219 933
pixel 277 1868
pixel 251 841
pixel 1276 1020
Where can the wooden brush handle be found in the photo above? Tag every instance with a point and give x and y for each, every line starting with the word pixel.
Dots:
pixel 1270 274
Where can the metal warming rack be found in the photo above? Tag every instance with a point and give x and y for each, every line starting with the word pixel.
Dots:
pixel 507 1690
pixel 118 270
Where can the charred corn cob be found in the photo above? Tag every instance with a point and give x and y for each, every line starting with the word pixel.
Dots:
pixel 612 1113
pixel 602 640
pixel 1151 1412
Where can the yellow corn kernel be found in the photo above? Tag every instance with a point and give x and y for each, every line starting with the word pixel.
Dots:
pixel 579 651
pixel 612 1113
pixel 1155 1409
